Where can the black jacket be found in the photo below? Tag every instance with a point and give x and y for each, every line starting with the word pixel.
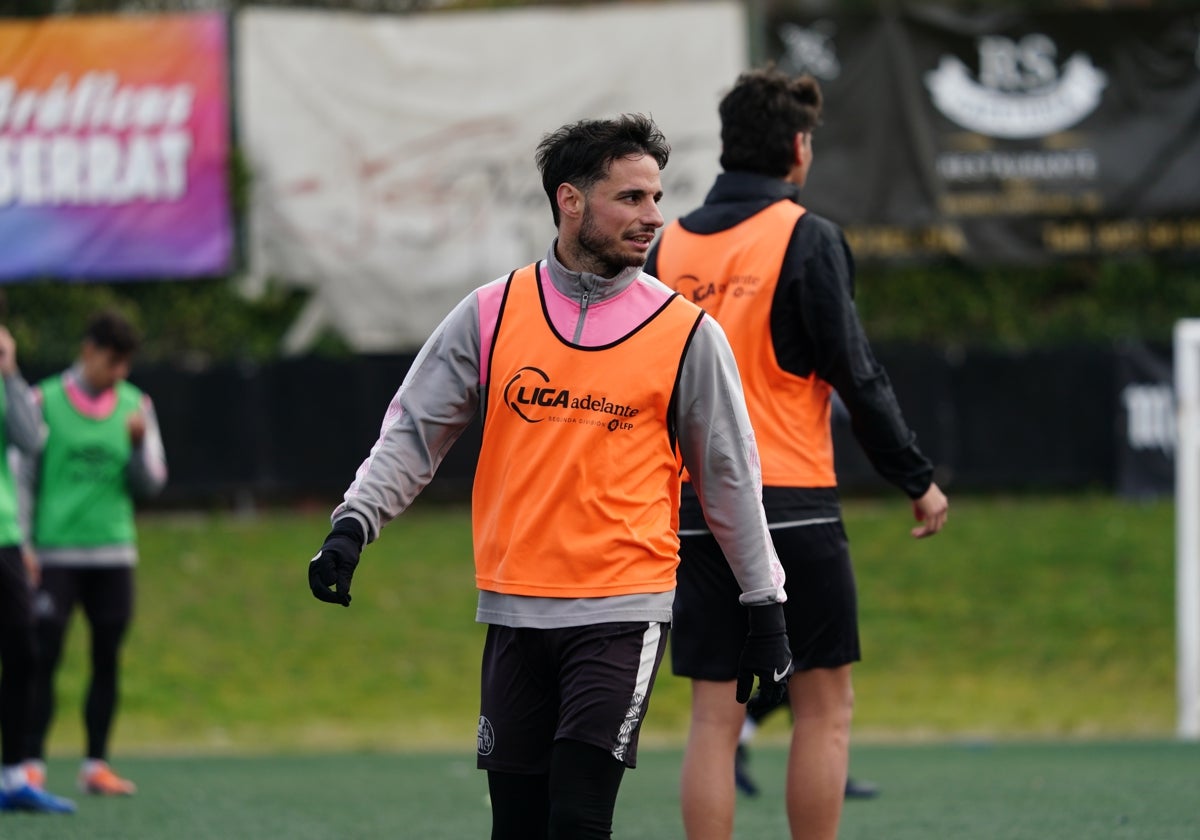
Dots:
pixel 815 329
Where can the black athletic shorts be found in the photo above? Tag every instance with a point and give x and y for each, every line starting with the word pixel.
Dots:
pixel 16 594
pixel 105 592
pixel 590 684
pixel 708 627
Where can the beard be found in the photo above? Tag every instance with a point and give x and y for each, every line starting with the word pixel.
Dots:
pixel 604 253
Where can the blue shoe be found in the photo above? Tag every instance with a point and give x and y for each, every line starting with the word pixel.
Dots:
pixel 27 798
pixel 861 790
pixel 741 776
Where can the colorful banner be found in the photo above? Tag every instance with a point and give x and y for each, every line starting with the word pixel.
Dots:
pixel 114 148
pixel 1002 136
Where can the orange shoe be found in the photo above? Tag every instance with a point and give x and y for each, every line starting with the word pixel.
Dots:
pixel 35 774
pixel 102 781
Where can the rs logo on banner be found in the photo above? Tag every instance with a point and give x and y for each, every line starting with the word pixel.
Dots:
pixel 1021 92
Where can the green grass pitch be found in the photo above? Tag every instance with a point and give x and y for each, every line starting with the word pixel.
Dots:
pixel 1029 791
pixel 1017 684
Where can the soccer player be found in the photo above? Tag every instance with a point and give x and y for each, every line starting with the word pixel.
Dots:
pixel 103 452
pixel 21 427
pixel 597 385
pixel 780 282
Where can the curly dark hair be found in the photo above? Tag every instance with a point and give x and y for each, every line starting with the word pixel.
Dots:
pixel 761 116
pixel 111 330
pixel 581 153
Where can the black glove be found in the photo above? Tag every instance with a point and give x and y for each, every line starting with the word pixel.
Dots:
pixel 758 707
pixel 336 561
pixel 766 656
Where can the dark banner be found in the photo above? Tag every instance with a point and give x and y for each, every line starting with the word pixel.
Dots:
pixel 1146 422
pixel 1002 136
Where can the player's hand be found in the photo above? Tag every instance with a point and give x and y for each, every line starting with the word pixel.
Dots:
pixel 766 655
pixel 136 426
pixel 335 563
pixel 931 510
pixel 8 352
pixel 33 569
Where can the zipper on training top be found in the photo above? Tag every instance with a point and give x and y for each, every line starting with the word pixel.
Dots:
pixel 583 307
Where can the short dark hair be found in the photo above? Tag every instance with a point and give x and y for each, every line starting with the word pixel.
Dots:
pixel 581 153
pixel 110 330
pixel 761 116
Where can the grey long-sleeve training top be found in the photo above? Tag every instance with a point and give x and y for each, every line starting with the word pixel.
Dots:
pixel 446 386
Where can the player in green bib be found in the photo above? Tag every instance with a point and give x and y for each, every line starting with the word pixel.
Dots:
pixel 84 499
pixel 102 452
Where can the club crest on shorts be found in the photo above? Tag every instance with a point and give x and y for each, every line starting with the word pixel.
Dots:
pixel 485 738
pixel 43 604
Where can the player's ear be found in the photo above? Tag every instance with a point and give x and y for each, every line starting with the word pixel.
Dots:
pixel 801 151
pixel 570 201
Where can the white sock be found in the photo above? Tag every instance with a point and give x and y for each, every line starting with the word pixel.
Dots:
pixel 749 727
pixel 91 765
pixel 13 776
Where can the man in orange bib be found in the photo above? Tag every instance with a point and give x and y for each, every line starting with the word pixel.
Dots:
pixel 780 281
pixel 597 386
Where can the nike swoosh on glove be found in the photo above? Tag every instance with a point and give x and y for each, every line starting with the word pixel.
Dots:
pixel 335 563
pixel 766 655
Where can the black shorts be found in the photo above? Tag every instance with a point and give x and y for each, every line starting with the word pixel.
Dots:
pixel 16 593
pixel 708 628
pixel 590 684
pixel 105 592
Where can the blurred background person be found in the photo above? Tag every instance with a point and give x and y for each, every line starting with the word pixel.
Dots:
pixel 20 427
pixel 103 451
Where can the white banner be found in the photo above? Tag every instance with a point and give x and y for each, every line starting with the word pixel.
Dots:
pixel 392 158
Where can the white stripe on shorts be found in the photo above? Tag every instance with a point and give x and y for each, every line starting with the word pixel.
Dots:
pixel 640 688
pixel 773 526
